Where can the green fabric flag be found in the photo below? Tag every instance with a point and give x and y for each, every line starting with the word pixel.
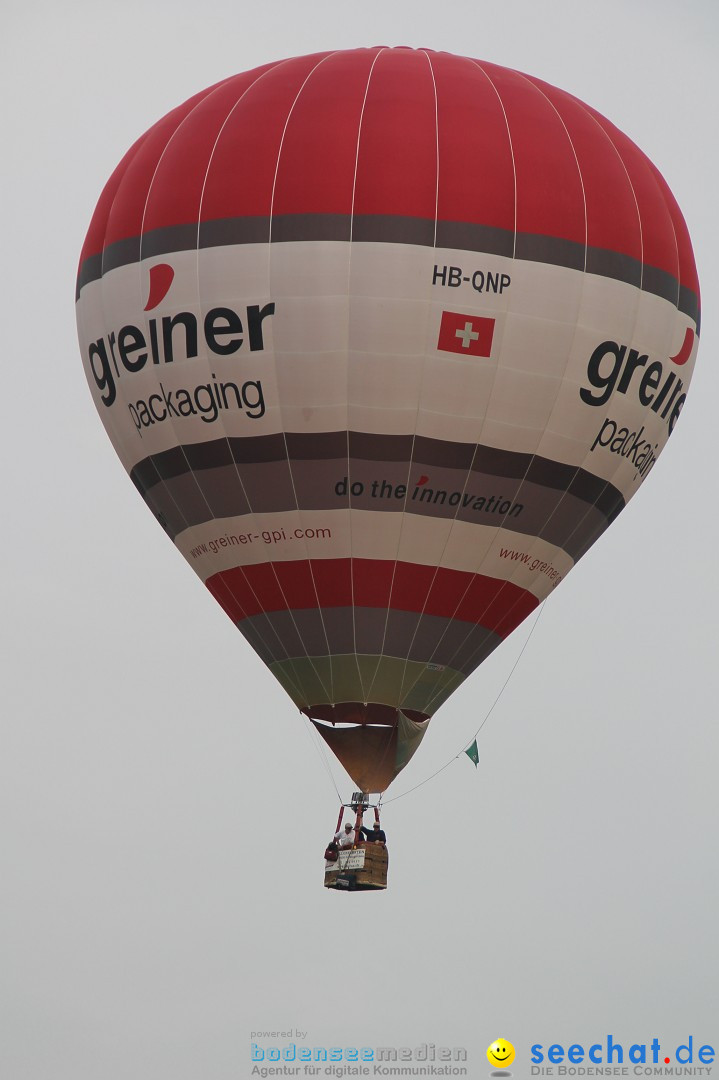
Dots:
pixel 473 753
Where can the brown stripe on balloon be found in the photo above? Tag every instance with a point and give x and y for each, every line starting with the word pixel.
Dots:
pixel 553 250
pixel 390 229
pixel 90 270
pixel 373 447
pixel 460 236
pixel 661 283
pixel 612 264
pixel 295 227
pixel 370 631
pixel 166 240
pixel 427 453
pixel 195 457
pixel 243 230
pixel 533 496
pixel 556 516
pixel 309 445
pixel 689 304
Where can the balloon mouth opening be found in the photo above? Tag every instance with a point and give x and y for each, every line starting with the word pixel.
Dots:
pixel 363 714
pixel 373 742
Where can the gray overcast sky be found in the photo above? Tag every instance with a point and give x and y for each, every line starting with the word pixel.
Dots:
pixel 565 891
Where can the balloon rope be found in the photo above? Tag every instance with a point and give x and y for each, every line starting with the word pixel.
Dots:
pixel 489 713
pixel 319 747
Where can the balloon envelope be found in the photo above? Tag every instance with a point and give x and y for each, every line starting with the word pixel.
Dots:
pixel 385 339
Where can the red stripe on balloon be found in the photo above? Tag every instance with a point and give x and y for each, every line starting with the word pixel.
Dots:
pixel 498 605
pixel 324 125
pixel 164 181
pixel 397 152
pixel 544 161
pixel 472 130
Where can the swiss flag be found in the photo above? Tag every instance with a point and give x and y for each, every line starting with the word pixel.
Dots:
pixel 469 335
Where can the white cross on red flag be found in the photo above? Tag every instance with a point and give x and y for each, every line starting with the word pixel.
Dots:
pixel 470 335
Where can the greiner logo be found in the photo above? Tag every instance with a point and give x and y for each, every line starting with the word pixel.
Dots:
pixel 129 349
pixel 611 367
pixel 161 277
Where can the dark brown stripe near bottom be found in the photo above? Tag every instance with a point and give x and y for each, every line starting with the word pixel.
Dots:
pixel 282 635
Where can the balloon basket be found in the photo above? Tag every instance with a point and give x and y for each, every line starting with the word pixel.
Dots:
pixel 359 868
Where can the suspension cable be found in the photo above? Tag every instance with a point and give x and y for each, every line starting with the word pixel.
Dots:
pixel 319 747
pixel 486 718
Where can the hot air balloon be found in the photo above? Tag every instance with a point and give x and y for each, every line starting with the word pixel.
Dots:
pixel 385 338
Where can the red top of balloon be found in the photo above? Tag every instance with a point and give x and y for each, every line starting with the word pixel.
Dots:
pixel 398 143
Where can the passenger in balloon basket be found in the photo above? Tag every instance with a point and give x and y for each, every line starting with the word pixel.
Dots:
pixel 347 838
pixel 375 835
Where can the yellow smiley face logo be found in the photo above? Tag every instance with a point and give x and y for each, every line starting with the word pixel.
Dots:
pixel 500 1053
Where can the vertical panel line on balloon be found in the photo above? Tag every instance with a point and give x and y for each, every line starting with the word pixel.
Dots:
pixel 328 693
